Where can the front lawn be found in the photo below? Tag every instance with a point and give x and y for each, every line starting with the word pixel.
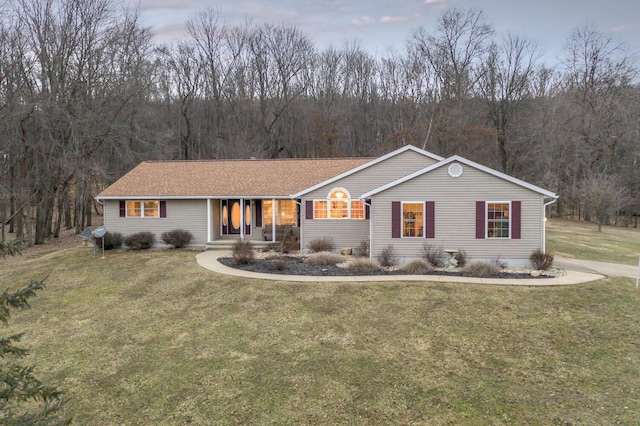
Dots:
pixel 152 338
pixel 581 240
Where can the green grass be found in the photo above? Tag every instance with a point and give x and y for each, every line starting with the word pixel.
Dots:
pixel 582 240
pixel 152 338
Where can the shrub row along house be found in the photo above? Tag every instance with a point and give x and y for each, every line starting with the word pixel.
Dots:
pixel 405 199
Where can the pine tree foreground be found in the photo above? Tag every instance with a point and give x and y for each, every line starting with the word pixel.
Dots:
pixel 24 399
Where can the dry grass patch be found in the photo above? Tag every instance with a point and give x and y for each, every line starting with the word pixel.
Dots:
pixel 362 266
pixel 417 267
pixel 324 258
pixel 481 269
pixel 582 240
pixel 111 332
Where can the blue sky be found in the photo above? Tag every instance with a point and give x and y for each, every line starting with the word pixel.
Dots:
pixel 380 25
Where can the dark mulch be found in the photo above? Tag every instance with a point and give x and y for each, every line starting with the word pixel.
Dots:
pixel 296 266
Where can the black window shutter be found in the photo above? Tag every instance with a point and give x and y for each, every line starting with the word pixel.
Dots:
pixel 163 208
pixel 367 208
pixel 123 208
pixel 396 219
pixel 308 209
pixel 516 225
pixel 430 230
pixel 480 220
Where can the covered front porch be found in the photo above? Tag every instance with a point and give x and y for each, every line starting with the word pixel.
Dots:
pixel 255 219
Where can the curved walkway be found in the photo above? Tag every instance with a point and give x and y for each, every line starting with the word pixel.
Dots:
pixel 209 259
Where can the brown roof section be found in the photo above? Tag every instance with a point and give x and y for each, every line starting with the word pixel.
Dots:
pixel 227 178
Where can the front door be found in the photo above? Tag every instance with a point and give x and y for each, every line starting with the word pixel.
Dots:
pixel 235 215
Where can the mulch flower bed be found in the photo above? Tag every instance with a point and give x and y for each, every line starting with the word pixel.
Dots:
pixel 294 265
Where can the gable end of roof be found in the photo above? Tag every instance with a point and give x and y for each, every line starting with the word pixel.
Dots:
pixel 467 162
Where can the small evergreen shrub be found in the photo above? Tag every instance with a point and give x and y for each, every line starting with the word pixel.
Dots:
pixel 324 258
pixel 322 244
pixel 178 238
pixel 387 256
pixel 140 241
pixel 433 254
pixel 481 269
pixel 417 267
pixel 541 260
pixel 242 252
pixel 112 240
pixel 363 250
pixel 461 257
pixel 362 266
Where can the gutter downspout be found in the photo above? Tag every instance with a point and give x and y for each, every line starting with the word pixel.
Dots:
pixel 544 222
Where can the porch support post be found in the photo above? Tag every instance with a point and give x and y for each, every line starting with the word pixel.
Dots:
pixel 242 219
pixel 274 206
pixel 209 219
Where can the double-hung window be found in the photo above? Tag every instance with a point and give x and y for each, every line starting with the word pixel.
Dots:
pixel 498 220
pixel 143 209
pixel 412 219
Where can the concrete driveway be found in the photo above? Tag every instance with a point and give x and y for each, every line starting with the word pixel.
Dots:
pixel 609 269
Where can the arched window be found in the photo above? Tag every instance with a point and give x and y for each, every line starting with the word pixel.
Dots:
pixel 338 205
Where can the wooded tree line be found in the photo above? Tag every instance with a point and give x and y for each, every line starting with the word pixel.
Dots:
pixel 86 94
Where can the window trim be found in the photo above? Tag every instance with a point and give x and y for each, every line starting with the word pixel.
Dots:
pixel 142 209
pixel 348 200
pixel 486 220
pixel 424 218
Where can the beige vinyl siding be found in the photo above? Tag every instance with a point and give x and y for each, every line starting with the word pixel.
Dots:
pixel 344 233
pixel 190 215
pixel 349 233
pixel 377 175
pixel 455 215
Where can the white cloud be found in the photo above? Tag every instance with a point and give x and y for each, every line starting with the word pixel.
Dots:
pixel 434 1
pixel 393 19
pixel 364 20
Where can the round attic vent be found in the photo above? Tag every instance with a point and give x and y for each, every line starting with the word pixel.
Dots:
pixel 455 170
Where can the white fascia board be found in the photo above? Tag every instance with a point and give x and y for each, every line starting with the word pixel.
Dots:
pixel 366 165
pixel 468 163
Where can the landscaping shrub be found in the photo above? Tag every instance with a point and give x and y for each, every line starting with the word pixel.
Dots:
pixel 290 245
pixel 461 257
pixel 242 252
pixel 280 264
pixel 363 266
pixel 417 267
pixel 541 260
pixel 481 269
pixel 112 240
pixel 322 244
pixel 177 238
pixel 272 256
pixel 433 254
pixel 387 256
pixel 140 240
pixel 363 249
pixel 324 258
